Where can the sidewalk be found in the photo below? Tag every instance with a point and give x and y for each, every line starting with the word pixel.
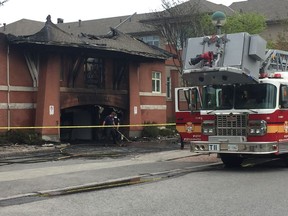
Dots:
pixel 57 177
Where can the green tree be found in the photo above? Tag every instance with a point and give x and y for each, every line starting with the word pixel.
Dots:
pixel 281 42
pixel 252 23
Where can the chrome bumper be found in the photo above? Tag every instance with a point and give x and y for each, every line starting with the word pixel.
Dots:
pixel 235 147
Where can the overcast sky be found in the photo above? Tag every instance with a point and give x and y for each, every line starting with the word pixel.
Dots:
pixel 73 10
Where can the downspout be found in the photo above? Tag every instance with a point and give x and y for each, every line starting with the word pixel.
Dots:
pixel 8 89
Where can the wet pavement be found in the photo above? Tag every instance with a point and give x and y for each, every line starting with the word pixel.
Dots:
pixel 90 150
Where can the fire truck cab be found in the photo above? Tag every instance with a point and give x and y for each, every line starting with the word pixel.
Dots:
pixel 237 102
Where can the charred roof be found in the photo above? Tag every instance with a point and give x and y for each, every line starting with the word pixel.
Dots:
pixel 115 41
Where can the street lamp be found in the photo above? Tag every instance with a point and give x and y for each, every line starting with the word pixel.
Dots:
pixel 218 20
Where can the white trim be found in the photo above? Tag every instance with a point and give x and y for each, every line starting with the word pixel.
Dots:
pixel 18 106
pixel 153 107
pixel 3 88
pixel 152 94
pixel 18 88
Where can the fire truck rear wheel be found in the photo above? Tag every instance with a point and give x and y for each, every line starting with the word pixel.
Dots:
pixel 231 160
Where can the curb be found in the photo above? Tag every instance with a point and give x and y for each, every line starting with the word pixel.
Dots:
pixel 121 182
pixel 192 155
pixel 91 186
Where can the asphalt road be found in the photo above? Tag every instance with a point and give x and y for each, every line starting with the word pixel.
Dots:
pixel 259 191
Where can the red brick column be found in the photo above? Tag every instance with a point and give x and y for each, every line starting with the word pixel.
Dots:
pixel 48 97
pixel 3 81
pixel 134 112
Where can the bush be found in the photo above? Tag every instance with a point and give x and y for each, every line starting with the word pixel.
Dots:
pixel 166 132
pixel 150 131
pixel 3 138
pixel 155 131
pixel 29 137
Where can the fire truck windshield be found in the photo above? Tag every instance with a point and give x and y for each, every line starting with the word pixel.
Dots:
pixel 246 96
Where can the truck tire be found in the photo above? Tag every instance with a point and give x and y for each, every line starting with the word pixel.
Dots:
pixel 284 159
pixel 231 160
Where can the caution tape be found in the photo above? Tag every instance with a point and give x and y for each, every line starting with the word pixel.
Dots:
pixel 83 126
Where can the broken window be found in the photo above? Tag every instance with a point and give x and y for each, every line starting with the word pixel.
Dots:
pixel 94 73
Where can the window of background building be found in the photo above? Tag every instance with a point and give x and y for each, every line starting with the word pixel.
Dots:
pixel 152 40
pixel 168 87
pixel 156 82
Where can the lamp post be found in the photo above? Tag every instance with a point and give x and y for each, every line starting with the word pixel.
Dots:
pixel 218 20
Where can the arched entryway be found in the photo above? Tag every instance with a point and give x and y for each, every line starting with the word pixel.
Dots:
pixel 78 122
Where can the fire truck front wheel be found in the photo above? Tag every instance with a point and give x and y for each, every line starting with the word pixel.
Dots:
pixel 231 160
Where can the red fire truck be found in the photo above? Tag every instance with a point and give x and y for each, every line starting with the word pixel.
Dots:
pixel 236 104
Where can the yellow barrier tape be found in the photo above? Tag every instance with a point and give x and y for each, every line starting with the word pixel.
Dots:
pixel 84 126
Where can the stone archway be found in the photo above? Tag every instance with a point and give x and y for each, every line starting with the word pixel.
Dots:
pixel 88 110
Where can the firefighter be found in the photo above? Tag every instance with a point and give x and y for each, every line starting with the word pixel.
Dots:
pixel 111 130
